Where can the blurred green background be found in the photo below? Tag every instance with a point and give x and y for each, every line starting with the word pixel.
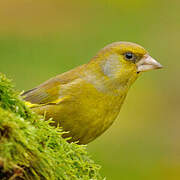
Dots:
pixel 43 38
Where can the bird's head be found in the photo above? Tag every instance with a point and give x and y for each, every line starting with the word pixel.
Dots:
pixel 124 61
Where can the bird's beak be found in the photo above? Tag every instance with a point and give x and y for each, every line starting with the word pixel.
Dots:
pixel 147 63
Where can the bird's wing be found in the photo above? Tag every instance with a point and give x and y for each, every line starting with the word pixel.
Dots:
pixel 49 91
pixel 44 93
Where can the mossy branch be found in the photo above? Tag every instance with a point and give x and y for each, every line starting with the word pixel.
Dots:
pixel 32 149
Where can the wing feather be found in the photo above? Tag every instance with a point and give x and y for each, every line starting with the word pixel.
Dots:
pixel 49 91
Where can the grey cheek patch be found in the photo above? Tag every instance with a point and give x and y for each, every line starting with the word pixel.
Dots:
pixel 111 66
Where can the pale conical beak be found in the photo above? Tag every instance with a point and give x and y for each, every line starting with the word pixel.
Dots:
pixel 148 63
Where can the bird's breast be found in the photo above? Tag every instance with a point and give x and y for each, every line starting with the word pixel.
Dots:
pixel 89 111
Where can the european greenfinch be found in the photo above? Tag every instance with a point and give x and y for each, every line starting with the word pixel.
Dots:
pixel 86 100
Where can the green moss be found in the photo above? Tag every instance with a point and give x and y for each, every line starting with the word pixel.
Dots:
pixel 32 149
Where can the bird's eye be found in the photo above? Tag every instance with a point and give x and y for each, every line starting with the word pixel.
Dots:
pixel 129 56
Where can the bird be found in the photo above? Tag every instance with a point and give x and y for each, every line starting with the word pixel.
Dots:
pixel 86 100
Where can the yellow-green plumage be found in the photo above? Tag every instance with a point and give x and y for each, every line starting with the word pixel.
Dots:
pixel 86 100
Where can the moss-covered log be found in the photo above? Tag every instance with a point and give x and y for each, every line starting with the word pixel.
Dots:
pixel 32 149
